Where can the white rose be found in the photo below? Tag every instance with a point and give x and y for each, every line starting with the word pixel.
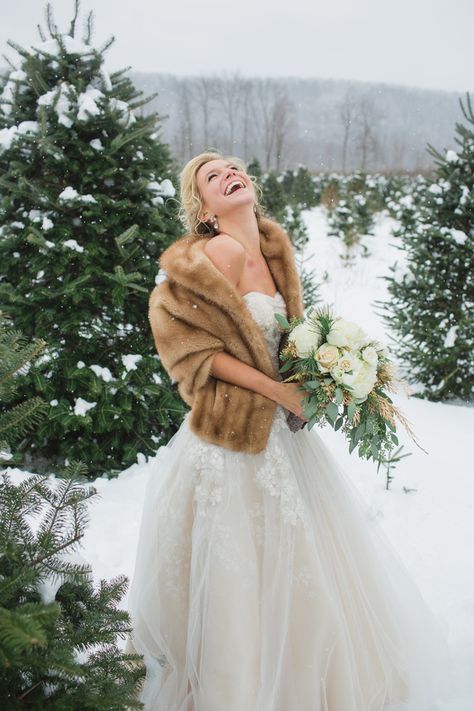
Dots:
pixel 337 373
pixel 306 339
pixel 361 380
pixel 369 354
pixel 348 361
pixel 346 335
pixel 327 356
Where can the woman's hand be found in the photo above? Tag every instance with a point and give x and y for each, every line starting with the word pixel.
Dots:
pixel 291 396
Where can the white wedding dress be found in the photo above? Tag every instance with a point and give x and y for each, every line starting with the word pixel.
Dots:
pixel 261 582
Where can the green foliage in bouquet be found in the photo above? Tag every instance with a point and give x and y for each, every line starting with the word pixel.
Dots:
pixel 346 377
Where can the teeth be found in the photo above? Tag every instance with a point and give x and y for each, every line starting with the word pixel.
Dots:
pixel 239 182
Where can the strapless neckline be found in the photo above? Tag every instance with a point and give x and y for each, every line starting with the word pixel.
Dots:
pixel 277 293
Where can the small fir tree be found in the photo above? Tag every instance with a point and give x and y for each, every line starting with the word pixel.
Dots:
pixel 351 217
pixel 432 297
pixel 304 188
pixel 85 210
pixel 58 635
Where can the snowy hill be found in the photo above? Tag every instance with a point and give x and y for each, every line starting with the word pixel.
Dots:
pixel 427 513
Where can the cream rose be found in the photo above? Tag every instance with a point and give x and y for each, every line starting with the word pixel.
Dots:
pixel 369 354
pixel 306 339
pixel 326 357
pixel 346 334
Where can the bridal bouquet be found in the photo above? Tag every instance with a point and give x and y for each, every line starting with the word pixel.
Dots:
pixel 346 376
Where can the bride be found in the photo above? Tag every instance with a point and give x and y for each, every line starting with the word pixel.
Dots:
pixel 261 583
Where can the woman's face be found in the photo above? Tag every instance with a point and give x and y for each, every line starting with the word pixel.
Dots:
pixel 214 179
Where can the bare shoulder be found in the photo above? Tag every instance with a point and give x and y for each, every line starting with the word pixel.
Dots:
pixel 227 255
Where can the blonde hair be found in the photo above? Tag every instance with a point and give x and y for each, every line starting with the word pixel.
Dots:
pixel 191 202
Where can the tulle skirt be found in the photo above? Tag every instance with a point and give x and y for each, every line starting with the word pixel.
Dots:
pixel 261 583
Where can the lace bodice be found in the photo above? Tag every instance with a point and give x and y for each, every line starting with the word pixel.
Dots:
pixel 263 307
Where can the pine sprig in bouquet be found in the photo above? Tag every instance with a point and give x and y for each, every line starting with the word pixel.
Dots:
pixel 347 377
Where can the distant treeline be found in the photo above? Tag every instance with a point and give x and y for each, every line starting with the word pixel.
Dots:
pixel 326 125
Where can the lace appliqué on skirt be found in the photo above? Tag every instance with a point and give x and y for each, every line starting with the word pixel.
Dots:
pixel 273 475
pixel 277 477
pixel 208 463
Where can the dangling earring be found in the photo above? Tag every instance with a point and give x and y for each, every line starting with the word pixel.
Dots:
pixel 210 222
pixel 214 223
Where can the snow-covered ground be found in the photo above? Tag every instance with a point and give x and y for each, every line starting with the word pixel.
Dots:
pixel 428 512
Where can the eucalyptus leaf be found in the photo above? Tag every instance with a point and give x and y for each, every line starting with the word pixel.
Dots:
pixel 358 433
pixel 331 410
pixel 282 320
pixel 351 408
pixel 313 384
pixel 286 366
pixel 374 449
pixel 312 421
pixel 310 407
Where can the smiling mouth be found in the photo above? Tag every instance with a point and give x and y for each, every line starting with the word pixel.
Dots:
pixel 234 188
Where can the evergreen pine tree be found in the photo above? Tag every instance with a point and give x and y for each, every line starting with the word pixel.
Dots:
pixel 352 216
pixel 254 168
pixel 304 188
pixel 58 635
pixel 86 210
pixel 275 200
pixel 431 306
pixel 16 355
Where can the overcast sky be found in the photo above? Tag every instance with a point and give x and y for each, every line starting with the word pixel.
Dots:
pixel 423 43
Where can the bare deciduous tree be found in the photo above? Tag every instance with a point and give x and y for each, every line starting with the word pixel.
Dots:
pixel 185 124
pixel 274 120
pixel 205 91
pixel 367 118
pixel 347 113
pixel 285 123
pixel 266 126
pixel 231 95
pixel 248 112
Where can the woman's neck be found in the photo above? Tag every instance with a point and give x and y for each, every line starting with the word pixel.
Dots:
pixel 242 225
